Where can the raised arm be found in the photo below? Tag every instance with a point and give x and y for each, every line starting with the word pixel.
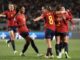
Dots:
pixel 2 15
pixel 71 21
pixel 38 18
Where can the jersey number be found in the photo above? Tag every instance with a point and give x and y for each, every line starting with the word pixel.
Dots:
pixel 50 20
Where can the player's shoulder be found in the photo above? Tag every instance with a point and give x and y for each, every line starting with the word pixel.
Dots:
pixel 18 16
pixel 5 12
pixel 49 13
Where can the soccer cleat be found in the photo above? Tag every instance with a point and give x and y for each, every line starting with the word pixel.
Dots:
pixel 6 41
pixel 59 56
pixel 15 52
pixel 39 55
pixel 67 56
pixel 46 57
pixel 62 51
pixel 52 56
pixel 8 44
pixel 22 54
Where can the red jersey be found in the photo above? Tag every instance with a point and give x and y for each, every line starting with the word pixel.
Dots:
pixel 10 16
pixel 49 20
pixel 70 14
pixel 62 24
pixel 21 22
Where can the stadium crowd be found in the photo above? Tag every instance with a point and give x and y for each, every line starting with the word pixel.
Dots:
pixel 35 5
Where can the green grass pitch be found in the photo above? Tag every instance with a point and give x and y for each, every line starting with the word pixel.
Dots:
pixel 6 53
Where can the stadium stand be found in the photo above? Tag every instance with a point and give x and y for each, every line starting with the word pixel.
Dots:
pixel 35 5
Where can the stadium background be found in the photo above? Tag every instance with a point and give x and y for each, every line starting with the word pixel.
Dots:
pixel 33 10
pixel 35 5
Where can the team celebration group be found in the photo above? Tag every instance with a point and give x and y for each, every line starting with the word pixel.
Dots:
pixel 55 24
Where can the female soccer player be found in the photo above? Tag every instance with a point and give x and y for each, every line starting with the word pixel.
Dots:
pixel 11 24
pixel 49 28
pixel 62 18
pixel 24 31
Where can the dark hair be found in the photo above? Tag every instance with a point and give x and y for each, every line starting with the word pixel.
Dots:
pixel 58 7
pixel 47 7
pixel 19 7
pixel 10 4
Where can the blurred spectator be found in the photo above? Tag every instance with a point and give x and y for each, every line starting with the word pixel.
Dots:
pixel 34 6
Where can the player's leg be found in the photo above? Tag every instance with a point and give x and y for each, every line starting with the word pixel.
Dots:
pixel 27 43
pixel 57 45
pixel 33 45
pixel 62 44
pixel 65 44
pixel 12 37
pixel 49 43
pixel 8 41
pixel 66 38
pixel 49 49
pixel 14 29
pixel 12 32
pixel 52 35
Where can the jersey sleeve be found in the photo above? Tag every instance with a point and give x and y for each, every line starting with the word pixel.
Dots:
pixel 5 13
pixel 17 18
pixel 70 18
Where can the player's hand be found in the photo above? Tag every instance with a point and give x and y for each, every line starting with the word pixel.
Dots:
pixel 73 26
pixel 34 20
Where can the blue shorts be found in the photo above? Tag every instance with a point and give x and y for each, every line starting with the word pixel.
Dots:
pixel 49 33
pixel 24 34
pixel 14 28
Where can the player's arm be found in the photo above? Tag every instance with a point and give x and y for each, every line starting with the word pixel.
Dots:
pixel 70 18
pixel 65 16
pixel 2 15
pixel 38 18
pixel 71 21
pixel 73 24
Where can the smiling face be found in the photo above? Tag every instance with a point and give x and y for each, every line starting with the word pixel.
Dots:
pixel 11 7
